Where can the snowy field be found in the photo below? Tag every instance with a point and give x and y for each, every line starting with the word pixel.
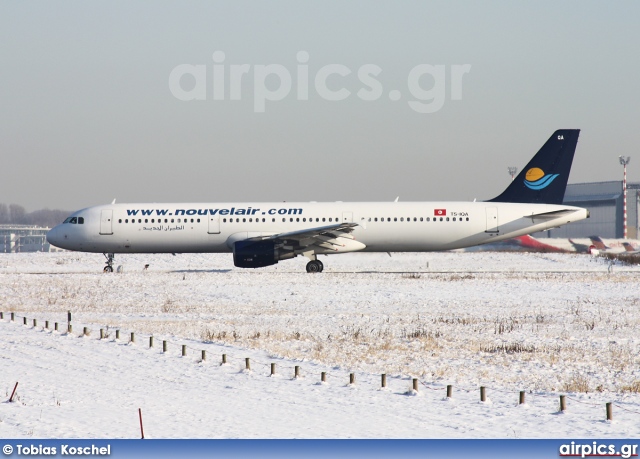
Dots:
pixel 547 324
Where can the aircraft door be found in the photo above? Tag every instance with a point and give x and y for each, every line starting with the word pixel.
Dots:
pixel 214 224
pixel 106 220
pixel 492 220
pixel 347 217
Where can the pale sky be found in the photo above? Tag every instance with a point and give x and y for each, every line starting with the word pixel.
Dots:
pixel 88 114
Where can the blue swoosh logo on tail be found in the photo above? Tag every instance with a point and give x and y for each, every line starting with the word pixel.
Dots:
pixel 541 183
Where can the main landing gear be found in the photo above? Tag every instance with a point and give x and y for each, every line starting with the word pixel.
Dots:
pixel 109 262
pixel 315 266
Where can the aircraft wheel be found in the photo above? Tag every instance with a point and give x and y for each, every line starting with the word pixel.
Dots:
pixel 314 266
pixel 108 269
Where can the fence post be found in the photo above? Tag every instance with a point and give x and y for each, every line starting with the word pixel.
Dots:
pixel 46 324
pixel 483 394
pixel 563 403
pixel 204 355
pixel 35 323
pixel 69 321
pixel 1 315
pixel 117 334
pixel 102 333
pixel 141 429
pixel 133 337
pixel 184 350
pixel 415 384
pixel 224 359
pixel 13 317
pixel 24 321
pixel 14 392
pixel 151 341
pixel 352 378
pixel 55 326
pixel 247 365
pixel 70 329
pixel 383 377
pixel 449 390
pixel 296 372
pixel 164 346
pixel 273 369
pixel 323 376
pixel 521 399
pixel 609 412
pixel 85 331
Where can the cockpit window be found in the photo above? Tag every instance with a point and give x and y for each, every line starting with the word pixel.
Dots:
pixel 80 220
pixel 67 220
pixel 73 220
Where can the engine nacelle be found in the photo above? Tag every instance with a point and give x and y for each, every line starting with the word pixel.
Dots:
pixel 254 254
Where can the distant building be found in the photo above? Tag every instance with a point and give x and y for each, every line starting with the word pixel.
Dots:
pixel 605 203
pixel 21 238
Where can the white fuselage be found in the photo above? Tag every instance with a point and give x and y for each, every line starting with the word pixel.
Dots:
pixel 382 226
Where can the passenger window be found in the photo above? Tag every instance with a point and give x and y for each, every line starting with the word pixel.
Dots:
pixel 323 219
pixel 441 219
pixel 467 218
pixel 198 220
pixel 224 220
pixel 447 218
pixel 454 219
pixel 329 218
pixel 420 218
pixel 120 221
pixel 251 220
pixel 290 219
pixel 126 220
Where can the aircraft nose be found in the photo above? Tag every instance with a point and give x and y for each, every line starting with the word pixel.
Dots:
pixel 54 236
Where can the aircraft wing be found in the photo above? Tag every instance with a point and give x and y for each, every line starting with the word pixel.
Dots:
pixel 318 239
pixel 331 231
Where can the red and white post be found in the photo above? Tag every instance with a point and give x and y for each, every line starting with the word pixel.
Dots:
pixel 624 161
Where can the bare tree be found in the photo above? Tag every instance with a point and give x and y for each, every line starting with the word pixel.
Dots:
pixel 4 214
pixel 18 214
pixel 15 214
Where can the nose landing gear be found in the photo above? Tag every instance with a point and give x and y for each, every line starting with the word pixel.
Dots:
pixel 109 262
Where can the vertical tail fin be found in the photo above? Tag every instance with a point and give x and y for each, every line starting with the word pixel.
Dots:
pixel 544 179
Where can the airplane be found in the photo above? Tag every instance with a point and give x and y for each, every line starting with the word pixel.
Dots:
pixel 630 249
pixel 263 233
pixel 599 247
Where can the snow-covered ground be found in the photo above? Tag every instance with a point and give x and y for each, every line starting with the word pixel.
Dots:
pixel 547 324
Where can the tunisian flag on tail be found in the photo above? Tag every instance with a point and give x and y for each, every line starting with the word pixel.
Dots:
pixel 440 212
